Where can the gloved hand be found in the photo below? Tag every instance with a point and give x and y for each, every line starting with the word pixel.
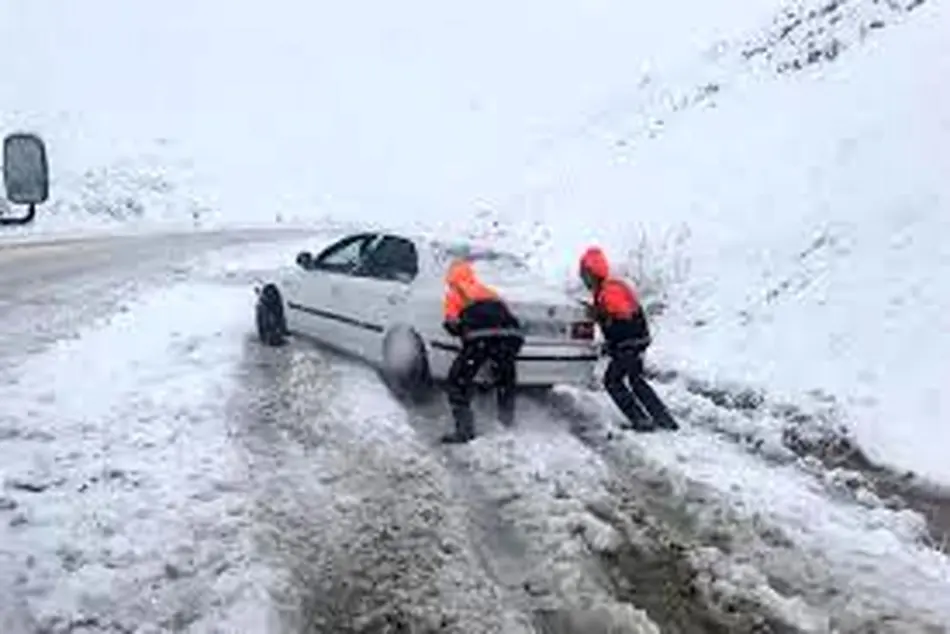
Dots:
pixel 454 328
pixel 589 309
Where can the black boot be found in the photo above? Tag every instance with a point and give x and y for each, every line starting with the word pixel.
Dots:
pixel 637 419
pixel 506 378
pixel 506 406
pixel 464 426
pixel 615 382
pixel 651 402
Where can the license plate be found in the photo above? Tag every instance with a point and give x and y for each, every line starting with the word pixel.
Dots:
pixel 546 329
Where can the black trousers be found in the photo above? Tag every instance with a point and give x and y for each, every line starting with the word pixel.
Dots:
pixel 626 386
pixel 502 353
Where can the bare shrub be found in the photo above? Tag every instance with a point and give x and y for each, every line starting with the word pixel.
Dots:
pixel 656 265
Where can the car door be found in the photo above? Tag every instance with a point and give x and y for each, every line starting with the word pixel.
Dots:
pixel 321 300
pixel 381 287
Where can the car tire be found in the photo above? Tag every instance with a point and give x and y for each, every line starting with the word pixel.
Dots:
pixel 405 367
pixel 269 316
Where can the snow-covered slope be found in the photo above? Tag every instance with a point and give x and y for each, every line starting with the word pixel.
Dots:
pixel 794 215
pixel 240 111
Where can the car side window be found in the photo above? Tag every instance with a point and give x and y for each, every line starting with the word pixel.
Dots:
pixel 344 256
pixel 394 259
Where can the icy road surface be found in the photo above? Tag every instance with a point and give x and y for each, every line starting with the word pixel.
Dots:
pixel 162 472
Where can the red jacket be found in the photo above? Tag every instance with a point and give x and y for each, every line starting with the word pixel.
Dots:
pixel 472 310
pixel 616 305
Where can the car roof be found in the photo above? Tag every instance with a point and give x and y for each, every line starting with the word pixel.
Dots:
pixel 434 242
pixel 435 249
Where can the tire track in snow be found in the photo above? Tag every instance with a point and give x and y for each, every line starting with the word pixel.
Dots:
pixel 354 486
pixel 355 516
pixel 653 561
pixel 588 550
pixel 498 545
pixel 536 533
pixel 764 533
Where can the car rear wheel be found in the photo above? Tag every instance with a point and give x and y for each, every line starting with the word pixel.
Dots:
pixel 405 366
pixel 269 316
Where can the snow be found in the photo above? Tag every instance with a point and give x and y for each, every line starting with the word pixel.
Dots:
pixel 243 110
pixel 544 482
pixel 828 537
pixel 264 262
pixel 124 498
pixel 127 495
pixel 865 191
pixel 778 193
pixel 161 468
pixel 338 470
pixel 791 224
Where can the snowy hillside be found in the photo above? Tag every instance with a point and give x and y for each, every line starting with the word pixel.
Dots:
pixel 793 213
pixel 243 110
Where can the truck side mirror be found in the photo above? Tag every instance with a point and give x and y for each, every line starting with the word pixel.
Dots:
pixel 25 174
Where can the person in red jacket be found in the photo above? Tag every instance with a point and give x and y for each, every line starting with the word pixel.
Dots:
pixel 617 310
pixel 490 333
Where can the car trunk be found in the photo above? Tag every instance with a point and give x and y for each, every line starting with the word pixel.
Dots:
pixel 548 315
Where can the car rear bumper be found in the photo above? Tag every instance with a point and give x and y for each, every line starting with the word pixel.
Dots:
pixel 537 365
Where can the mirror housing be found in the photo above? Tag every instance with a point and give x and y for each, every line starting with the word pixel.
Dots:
pixel 305 260
pixel 25 174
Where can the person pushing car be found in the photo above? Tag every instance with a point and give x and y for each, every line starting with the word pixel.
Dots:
pixel 489 332
pixel 617 310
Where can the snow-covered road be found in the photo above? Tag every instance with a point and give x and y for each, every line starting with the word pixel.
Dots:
pixel 161 472
pixel 117 360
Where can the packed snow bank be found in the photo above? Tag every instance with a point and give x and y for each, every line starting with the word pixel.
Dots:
pixel 832 549
pixel 803 216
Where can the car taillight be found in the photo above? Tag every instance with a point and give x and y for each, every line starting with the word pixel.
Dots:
pixel 582 330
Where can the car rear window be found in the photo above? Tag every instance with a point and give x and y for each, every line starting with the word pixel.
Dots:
pixel 487 261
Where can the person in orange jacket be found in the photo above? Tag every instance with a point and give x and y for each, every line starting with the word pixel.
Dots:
pixel 617 310
pixel 489 332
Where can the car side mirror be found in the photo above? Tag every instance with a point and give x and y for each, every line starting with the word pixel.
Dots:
pixel 305 260
pixel 25 174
